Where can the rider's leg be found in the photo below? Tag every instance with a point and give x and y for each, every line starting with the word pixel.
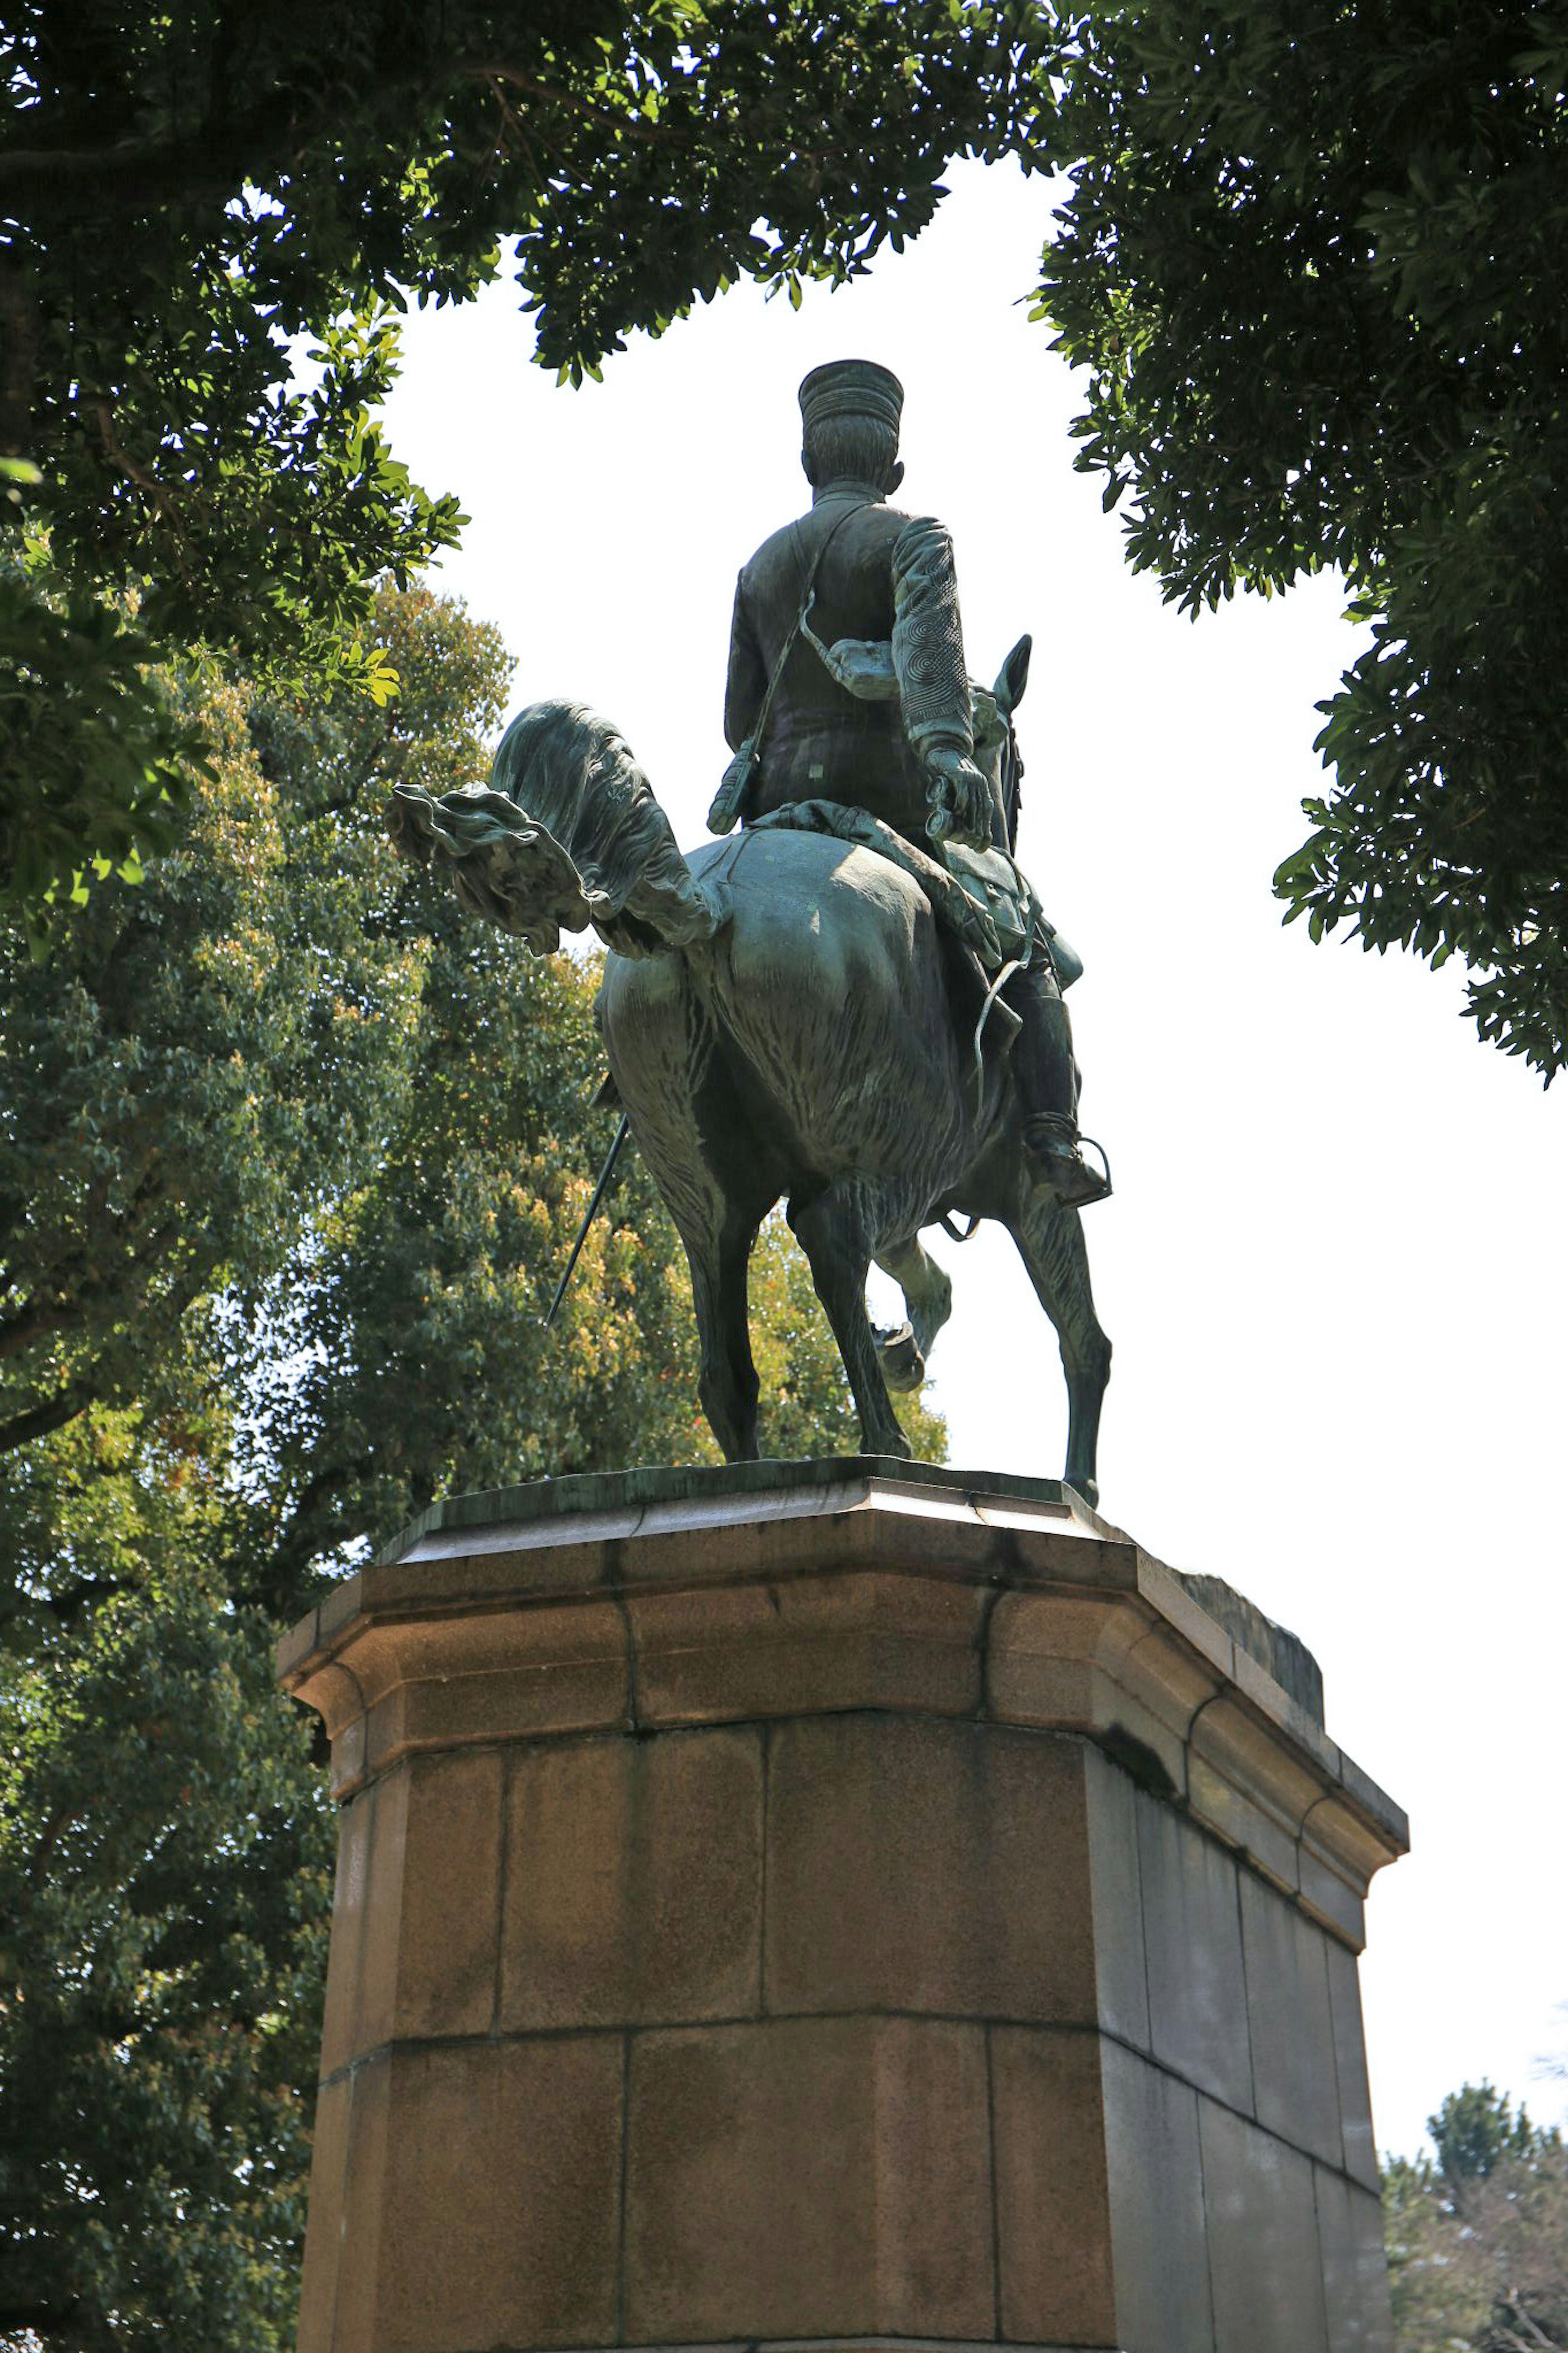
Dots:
pixel 1046 1079
pixel 928 1302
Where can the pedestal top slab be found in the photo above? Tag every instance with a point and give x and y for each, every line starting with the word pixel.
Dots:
pixel 658 1497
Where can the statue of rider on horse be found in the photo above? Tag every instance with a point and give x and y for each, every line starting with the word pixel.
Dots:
pixel 854 1005
pixel 848 685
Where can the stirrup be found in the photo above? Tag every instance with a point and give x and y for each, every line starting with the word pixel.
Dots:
pixel 1046 1128
pixel 1095 1145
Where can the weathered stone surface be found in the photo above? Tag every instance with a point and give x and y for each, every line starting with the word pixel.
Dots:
pixel 369 2184
pixel 1264 2257
pixel 926 1867
pixel 324 2244
pixel 633 1881
pixel 501 2216
pixel 1065 1659
pixel 808 2177
pixel 1282 1655
pixel 340 2020
pixel 439 1901
pixel 1156 2189
pixel 1355 2272
pixel 1350 2069
pixel 418 1612
pixel 1197 1980
pixel 1328 1891
pixel 1121 1974
pixel 635 1494
pixel 1291 2026
pixel 808 1644
pixel 509 1675
pixel 1053 2210
pixel 375 2009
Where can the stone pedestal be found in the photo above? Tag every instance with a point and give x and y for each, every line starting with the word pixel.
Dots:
pixel 816 1902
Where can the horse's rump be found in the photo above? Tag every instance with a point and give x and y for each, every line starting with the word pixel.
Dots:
pixel 829 963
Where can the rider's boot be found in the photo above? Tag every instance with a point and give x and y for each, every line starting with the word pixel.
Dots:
pixel 1047 1079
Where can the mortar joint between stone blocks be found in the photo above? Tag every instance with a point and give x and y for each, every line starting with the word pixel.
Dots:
pixel 996 2194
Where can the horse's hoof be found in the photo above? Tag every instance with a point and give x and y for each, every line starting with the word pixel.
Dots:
pixel 1087 1488
pixel 903 1367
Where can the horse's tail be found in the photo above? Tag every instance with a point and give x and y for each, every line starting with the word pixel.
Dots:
pixel 566 834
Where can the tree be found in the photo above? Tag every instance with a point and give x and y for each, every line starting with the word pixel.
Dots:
pixel 185 193
pixel 192 1066
pixel 1475 2131
pixel 1315 259
pixel 165 1871
pixel 292 1151
pixel 1477 2242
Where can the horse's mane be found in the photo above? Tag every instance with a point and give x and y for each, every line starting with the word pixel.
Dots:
pixel 573 772
pixel 565 834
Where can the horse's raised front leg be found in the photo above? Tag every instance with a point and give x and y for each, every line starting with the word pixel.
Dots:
pixel 832 1229
pixel 928 1302
pixel 727 1377
pixel 1051 1243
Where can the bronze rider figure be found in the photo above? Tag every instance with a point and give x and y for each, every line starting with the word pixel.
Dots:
pixel 834 591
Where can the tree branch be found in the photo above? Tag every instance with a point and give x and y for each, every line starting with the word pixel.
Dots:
pixel 20 363
pixel 298 1542
pixel 14 1601
pixel 214 163
pixel 494 72
pixel 161 498
pixel 211 162
pixel 34 1323
pixel 39 1419
pixel 53 1829
pixel 38 1320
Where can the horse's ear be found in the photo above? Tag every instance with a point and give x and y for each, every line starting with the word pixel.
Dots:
pixel 1013 676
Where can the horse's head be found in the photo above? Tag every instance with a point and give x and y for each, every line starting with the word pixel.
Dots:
pixel 1013 676
pixel 995 738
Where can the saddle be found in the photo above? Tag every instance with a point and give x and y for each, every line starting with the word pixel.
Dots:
pixel 979 897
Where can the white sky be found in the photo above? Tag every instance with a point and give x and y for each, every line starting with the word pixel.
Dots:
pixel 1334 1269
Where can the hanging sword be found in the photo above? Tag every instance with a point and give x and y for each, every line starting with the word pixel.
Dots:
pixel 605 1172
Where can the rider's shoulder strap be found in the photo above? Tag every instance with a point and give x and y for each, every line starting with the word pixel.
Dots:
pixel 808 590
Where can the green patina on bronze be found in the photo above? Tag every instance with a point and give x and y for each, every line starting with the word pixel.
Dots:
pixel 854 1004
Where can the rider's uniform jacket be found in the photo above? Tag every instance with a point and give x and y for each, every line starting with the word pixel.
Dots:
pixel 820 741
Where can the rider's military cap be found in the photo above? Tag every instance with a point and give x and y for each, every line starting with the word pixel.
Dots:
pixel 851 388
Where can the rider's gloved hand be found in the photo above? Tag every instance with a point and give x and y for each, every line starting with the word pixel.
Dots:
pixel 960 800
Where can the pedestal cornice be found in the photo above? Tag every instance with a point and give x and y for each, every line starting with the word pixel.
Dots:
pixel 647 1600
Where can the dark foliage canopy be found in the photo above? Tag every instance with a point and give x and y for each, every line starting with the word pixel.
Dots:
pixel 187 192
pixel 1312 257
pixel 1316 260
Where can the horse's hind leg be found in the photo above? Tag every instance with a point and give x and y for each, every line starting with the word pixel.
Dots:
pixel 927 1300
pixel 1051 1243
pixel 727 1377
pixel 833 1230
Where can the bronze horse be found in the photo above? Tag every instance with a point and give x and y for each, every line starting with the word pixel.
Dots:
pixel 785 1020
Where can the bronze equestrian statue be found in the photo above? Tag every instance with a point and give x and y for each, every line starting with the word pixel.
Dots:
pixel 853 1005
